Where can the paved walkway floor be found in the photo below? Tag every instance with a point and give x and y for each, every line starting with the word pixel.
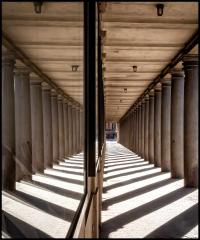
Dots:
pixel 140 201
pixel 45 206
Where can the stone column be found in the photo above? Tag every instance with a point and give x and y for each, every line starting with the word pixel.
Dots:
pixel 191 109
pixel 177 120
pixel 140 129
pixel 137 130
pixel 8 121
pixel 74 129
pixel 143 126
pixel 37 125
pixel 151 127
pixel 157 126
pixel 66 127
pixel 146 129
pixel 134 130
pixel 23 123
pixel 55 134
pixel 47 125
pixel 61 127
pixel 81 129
pixel 77 130
pixel 70 133
pixel 130 130
pixel 166 125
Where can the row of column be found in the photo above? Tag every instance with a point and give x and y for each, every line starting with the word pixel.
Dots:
pixel 163 127
pixel 39 126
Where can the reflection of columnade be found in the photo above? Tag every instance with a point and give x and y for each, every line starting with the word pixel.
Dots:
pixel 40 126
pixel 172 140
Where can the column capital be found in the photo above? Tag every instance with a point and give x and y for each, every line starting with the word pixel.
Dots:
pixel 54 92
pixel 8 57
pixel 60 97
pixel 35 79
pixel 157 87
pixel 46 86
pixel 146 98
pixel 70 103
pixel 166 81
pixel 190 61
pixel 65 100
pixel 143 100
pixel 20 70
pixel 177 72
pixel 151 93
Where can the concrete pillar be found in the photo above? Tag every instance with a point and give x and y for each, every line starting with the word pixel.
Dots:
pixel 23 123
pixel 191 109
pixel 157 126
pixel 151 126
pixel 146 129
pixel 61 127
pixel 8 121
pixel 70 133
pixel 55 134
pixel 143 126
pixel 177 120
pixel 37 125
pixel 166 126
pixel 66 127
pixel 47 125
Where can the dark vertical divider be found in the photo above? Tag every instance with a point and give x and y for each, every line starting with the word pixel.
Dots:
pixel 90 84
pixel 100 92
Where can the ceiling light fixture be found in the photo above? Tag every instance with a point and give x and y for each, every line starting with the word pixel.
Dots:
pixel 160 7
pixel 125 90
pixel 75 68
pixel 134 68
pixel 38 7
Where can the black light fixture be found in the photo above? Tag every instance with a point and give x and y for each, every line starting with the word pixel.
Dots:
pixel 159 7
pixel 134 68
pixel 75 68
pixel 120 100
pixel 125 90
pixel 38 7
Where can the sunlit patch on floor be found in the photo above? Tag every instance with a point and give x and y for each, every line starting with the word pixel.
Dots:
pixel 140 201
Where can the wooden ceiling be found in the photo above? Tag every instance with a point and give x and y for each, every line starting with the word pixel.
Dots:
pixel 135 36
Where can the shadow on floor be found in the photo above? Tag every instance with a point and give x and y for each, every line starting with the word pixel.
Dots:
pixel 19 229
pixel 177 227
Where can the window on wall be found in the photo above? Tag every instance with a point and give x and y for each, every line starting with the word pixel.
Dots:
pixel 47 186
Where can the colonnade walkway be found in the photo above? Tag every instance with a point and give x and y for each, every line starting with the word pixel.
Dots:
pixel 140 201
pixel 44 206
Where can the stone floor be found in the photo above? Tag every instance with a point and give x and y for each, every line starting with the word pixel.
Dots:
pixel 45 206
pixel 140 201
